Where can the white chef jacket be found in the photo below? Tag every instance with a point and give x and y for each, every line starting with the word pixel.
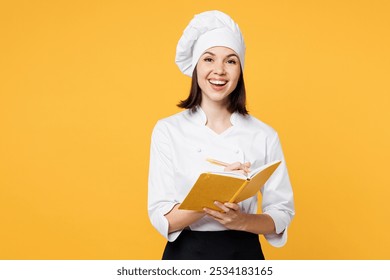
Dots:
pixel 181 144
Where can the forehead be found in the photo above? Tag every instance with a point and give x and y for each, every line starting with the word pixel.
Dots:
pixel 222 51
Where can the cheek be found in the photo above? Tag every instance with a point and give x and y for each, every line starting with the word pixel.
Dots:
pixel 235 82
pixel 201 72
pixel 236 78
pixel 202 77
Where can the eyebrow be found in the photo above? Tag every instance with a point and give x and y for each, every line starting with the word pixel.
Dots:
pixel 213 54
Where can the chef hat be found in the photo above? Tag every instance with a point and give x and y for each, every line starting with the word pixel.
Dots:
pixel 206 30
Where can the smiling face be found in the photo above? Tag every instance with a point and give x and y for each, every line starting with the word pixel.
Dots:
pixel 218 72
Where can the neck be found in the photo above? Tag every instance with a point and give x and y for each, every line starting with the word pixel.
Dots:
pixel 218 117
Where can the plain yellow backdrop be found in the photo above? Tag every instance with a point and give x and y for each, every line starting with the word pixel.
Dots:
pixel 84 82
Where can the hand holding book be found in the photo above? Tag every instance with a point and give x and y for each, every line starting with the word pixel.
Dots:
pixel 226 187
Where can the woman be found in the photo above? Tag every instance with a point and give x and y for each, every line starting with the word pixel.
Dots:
pixel 215 124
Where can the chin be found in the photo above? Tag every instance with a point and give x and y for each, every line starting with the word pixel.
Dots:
pixel 218 98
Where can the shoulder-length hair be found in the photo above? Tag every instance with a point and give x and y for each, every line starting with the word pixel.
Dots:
pixel 236 99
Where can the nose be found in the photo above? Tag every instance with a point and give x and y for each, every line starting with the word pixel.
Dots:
pixel 219 68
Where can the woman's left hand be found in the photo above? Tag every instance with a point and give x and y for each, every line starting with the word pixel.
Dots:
pixel 231 215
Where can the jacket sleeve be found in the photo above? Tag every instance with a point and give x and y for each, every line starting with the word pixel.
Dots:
pixel 161 189
pixel 278 201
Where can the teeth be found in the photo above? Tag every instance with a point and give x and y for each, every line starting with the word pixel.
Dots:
pixel 216 82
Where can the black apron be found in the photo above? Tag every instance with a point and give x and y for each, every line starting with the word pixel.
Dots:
pixel 214 245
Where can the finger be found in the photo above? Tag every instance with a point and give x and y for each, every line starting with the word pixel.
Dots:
pixel 233 166
pixel 244 168
pixel 232 206
pixel 214 214
pixel 247 166
pixel 221 206
pixel 240 172
pixel 238 166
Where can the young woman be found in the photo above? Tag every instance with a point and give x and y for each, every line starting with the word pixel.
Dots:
pixel 215 124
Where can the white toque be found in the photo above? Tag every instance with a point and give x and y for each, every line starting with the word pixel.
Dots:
pixel 206 30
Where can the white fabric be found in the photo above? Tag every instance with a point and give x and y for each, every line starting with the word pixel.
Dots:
pixel 206 30
pixel 181 144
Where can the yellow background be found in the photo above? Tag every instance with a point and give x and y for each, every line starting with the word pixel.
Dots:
pixel 84 82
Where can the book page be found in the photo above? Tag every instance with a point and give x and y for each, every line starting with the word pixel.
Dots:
pixel 234 174
pixel 251 174
pixel 261 168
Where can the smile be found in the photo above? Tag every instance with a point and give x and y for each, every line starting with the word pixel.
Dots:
pixel 217 82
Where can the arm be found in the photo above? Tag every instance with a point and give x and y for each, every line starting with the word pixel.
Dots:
pixel 179 219
pixel 232 218
pixel 163 202
pixel 161 190
pixel 277 195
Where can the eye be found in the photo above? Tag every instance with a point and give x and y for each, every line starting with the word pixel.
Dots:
pixel 232 61
pixel 208 59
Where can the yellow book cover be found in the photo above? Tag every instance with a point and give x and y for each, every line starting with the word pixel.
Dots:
pixel 226 187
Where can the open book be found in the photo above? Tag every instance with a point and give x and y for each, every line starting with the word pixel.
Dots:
pixel 226 187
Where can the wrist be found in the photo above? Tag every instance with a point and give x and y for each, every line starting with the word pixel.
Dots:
pixel 244 222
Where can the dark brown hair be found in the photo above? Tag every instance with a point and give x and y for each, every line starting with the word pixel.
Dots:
pixel 237 99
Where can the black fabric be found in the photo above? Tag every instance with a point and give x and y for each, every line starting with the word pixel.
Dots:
pixel 214 245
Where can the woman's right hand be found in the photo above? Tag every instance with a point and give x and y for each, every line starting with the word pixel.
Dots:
pixel 239 167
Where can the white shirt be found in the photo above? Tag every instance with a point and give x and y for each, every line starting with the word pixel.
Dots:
pixel 180 146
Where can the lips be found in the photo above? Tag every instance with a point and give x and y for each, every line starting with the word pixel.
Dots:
pixel 218 82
